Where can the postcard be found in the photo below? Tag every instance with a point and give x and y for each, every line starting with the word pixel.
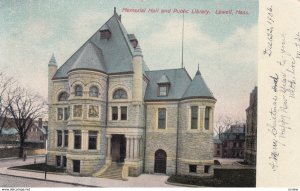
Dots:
pixel 142 93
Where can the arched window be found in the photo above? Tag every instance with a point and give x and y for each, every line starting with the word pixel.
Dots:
pixel 63 96
pixel 120 94
pixel 78 90
pixel 94 91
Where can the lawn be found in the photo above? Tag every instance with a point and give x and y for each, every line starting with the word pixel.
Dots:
pixel 222 178
pixel 39 167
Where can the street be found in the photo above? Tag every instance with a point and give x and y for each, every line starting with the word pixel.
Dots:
pixel 10 181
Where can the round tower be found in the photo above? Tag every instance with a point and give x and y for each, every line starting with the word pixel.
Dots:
pixel 52 68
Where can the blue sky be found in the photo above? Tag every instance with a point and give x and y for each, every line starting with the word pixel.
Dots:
pixel 225 46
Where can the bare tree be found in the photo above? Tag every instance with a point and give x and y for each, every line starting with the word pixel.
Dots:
pixel 6 84
pixel 222 125
pixel 25 108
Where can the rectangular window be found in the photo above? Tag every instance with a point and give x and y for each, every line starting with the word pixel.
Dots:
pixel 193 168
pixel 60 114
pixel 206 168
pixel 123 113
pixel 92 140
pixel 114 112
pixel 162 90
pixel 93 111
pixel 64 161
pixel 194 117
pixel 77 140
pixel 207 111
pixel 66 136
pixel 77 111
pixel 58 160
pixel 59 138
pixel 41 138
pixel 161 118
pixel 66 113
pixel 76 166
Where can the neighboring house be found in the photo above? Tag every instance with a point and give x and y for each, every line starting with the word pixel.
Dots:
pixel 231 143
pixel 251 129
pixel 35 137
pixel 107 107
pixel 217 146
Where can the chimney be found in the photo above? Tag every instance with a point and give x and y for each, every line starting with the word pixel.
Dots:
pixel 40 124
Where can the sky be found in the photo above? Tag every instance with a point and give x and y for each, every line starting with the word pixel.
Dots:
pixel 224 46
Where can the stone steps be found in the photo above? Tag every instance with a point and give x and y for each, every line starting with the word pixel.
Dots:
pixel 113 172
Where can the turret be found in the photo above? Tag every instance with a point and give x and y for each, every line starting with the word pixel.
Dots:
pixel 52 68
pixel 137 61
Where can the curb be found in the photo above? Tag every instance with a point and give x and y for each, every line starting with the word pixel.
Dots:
pixel 47 180
pixel 181 185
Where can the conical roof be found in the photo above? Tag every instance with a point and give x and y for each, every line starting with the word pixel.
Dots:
pixel 52 61
pixel 90 57
pixel 198 88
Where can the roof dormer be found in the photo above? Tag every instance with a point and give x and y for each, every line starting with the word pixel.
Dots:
pixel 134 42
pixel 105 32
pixel 163 86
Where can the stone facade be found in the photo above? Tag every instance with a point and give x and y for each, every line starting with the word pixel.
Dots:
pixel 88 131
pixel 251 129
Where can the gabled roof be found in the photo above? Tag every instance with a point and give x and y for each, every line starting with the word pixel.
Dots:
pixel 178 78
pixel 163 80
pixel 198 88
pixel 117 51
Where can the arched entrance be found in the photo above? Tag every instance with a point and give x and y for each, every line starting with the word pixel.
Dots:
pixel 160 161
pixel 118 148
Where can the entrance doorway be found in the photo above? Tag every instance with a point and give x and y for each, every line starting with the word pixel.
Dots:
pixel 118 148
pixel 160 163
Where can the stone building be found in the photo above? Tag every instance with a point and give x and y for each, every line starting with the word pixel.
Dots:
pixel 251 128
pixel 107 111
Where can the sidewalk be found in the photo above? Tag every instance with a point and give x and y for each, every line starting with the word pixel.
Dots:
pixel 143 180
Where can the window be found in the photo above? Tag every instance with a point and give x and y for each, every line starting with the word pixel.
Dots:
pixel 120 94
pixel 161 118
pixel 63 96
pixel 77 111
pixel 58 160
pixel 60 113
pixel 78 90
pixel 41 138
pixel 66 137
pixel 114 112
pixel 64 161
pixel 218 146
pixel 194 117
pixel 193 168
pixel 93 111
pixel 218 152
pixel 66 113
pixel 123 113
pixel 76 166
pixel 234 144
pixel 63 113
pixel 206 168
pixel 237 137
pixel 163 91
pixel 77 140
pixel 92 140
pixel 59 138
pixel 207 111
pixel 94 92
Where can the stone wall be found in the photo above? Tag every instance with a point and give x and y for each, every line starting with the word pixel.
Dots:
pixel 164 139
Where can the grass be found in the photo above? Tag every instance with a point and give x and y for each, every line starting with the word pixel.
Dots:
pixel 222 178
pixel 39 167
